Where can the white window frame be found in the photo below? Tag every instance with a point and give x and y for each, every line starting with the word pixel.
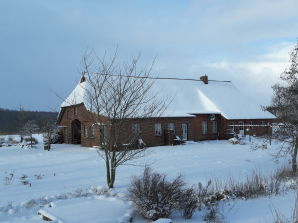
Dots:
pixel 85 131
pixel 171 126
pixel 157 129
pixel 92 131
pixel 204 127
pixel 214 127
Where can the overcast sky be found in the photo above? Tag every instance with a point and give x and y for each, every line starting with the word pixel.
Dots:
pixel 247 42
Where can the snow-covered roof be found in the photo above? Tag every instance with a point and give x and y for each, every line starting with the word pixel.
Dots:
pixel 77 96
pixel 192 97
pixel 212 98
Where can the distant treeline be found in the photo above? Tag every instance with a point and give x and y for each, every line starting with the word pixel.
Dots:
pixel 12 121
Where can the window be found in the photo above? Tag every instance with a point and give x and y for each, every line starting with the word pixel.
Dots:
pixel 136 129
pixel 157 129
pixel 214 126
pixel 204 127
pixel 92 131
pixel 75 110
pixel 171 126
pixel 85 131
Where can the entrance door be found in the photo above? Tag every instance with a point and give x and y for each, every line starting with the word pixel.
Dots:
pixel 184 131
pixel 76 131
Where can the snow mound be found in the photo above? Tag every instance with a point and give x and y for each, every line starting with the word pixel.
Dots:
pixel 163 220
pixel 97 209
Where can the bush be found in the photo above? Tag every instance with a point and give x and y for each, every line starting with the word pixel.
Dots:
pixel 154 196
pixel 188 202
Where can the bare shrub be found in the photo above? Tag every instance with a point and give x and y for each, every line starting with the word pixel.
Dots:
pixel 8 179
pixel 284 173
pixel 38 176
pixel 255 185
pixel 25 182
pixel 189 202
pixel 213 216
pixel 32 140
pixel 23 177
pixel 154 196
pixel 204 194
pixel 274 185
pixel 252 187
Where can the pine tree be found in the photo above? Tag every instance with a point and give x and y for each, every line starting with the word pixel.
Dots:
pixel 285 107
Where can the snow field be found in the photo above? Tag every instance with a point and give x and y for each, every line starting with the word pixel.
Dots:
pixel 69 170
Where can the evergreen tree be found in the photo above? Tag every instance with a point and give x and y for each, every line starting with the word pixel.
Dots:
pixel 285 107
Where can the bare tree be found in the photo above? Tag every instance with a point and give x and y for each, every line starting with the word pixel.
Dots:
pixel 49 128
pixel 29 129
pixel 117 93
pixel 285 107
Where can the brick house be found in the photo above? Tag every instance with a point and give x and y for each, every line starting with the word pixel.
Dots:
pixel 202 110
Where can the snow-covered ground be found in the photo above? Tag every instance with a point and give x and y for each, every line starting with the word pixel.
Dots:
pixel 68 173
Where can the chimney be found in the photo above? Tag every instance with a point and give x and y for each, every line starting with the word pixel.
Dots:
pixel 83 79
pixel 204 79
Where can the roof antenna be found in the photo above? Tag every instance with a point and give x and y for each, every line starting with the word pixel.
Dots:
pixel 83 79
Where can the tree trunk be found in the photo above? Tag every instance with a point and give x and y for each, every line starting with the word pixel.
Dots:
pixel 108 168
pixel 294 156
pixel 113 170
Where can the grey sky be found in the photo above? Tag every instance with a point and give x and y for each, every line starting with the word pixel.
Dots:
pixel 42 42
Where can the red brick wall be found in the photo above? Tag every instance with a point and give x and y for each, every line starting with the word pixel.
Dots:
pixel 86 118
pixel 147 127
pixel 209 135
